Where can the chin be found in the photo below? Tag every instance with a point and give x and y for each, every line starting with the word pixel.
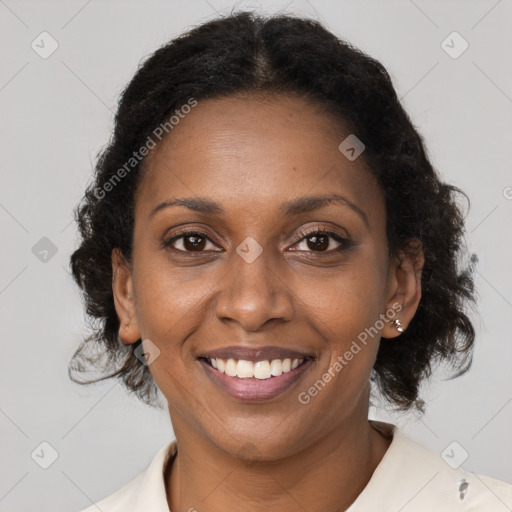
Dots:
pixel 254 440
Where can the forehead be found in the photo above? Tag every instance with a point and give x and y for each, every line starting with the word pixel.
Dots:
pixel 255 151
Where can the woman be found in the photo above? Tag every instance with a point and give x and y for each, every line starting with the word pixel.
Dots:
pixel 264 240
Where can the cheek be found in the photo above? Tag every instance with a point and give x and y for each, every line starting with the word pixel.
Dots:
pixel 167 312
pixel 350 298
pixel 346 309
pixel 353 343
pixel 167 300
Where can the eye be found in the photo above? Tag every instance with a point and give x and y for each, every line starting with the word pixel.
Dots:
pixel 322 240
pixel 189 241
pixel 319 240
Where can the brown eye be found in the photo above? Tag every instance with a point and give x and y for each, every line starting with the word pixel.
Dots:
pixel 320 241
pixel 191 241
pixel 194 243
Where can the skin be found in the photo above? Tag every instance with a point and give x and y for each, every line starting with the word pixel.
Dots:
pixel 251 154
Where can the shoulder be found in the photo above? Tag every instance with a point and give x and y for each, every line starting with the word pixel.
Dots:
pixel 411 478
pixel 119 500
pixel 447 484
pixel 146 492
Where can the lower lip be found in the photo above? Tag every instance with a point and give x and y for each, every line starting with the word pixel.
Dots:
pixel 252 389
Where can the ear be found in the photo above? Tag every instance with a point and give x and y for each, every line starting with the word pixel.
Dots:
pixel 122 287
pixel 403 288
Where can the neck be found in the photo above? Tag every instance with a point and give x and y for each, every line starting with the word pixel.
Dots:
pixel 326 475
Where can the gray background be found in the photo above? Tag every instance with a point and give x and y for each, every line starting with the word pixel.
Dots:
pixel 57 114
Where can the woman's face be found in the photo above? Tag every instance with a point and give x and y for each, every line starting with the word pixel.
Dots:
pixel 246 277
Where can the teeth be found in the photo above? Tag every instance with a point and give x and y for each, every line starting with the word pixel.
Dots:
pixel 276 367
pixel 244 369
pixel 262 370
pixel 230 368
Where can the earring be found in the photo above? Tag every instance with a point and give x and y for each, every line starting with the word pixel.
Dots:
pixel 396 323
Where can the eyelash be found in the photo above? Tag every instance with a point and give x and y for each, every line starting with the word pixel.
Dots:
pixel 345 243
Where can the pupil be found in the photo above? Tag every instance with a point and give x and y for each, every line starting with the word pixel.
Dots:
pixel 319 242
pixel 194 242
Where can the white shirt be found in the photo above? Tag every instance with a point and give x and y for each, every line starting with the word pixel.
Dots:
pixel 409 478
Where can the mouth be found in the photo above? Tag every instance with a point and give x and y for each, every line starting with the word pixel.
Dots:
pixel 255 374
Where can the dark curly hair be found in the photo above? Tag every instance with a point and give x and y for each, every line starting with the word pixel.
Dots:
pixel 248 53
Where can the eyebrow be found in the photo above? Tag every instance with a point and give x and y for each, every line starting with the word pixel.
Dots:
pixel 289 208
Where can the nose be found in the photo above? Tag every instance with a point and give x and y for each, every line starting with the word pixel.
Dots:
pixel 253 294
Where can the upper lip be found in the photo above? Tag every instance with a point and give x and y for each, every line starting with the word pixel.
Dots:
pixel 254 353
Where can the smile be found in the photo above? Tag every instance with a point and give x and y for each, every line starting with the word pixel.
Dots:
pixel 255 374
pixel 262 370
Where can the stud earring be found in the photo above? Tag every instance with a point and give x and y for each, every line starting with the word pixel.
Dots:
pixel 396 323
